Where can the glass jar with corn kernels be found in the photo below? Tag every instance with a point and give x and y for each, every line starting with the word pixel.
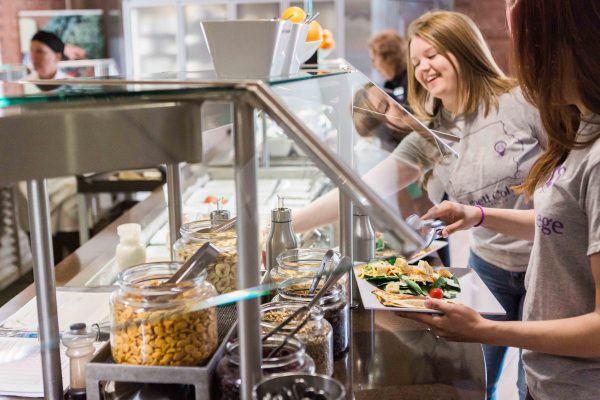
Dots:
pixel 223 273
pixel 158 323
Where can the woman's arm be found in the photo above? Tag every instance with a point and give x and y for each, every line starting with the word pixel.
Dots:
pixel 576 336
pixel 517 223
pixel 386 179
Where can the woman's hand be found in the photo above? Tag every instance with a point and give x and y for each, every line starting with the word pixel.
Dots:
pixel 458 323
pixel 458 216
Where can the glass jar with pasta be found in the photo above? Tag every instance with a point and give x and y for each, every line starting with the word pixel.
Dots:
pixel 159 324
pixel 223 272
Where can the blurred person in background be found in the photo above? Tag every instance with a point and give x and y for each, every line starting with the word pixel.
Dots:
pixel 388 56
pixel 45 51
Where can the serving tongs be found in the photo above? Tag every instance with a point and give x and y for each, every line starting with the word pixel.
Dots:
pixel 344 265
pixel 429 229
pixel 324 262
pixel 195 265
pixel 219 228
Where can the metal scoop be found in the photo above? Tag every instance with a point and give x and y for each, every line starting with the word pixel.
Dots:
pixel 193 266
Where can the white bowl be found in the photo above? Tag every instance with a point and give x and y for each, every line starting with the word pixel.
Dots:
pixel 307 50
pixel 247 48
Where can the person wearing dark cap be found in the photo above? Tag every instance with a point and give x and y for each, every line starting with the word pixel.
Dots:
pixel 46 50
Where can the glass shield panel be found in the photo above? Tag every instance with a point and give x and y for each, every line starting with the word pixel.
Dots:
pixel 359 126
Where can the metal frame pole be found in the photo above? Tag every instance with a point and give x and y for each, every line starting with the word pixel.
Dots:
pixel 175 204
pixel 45 287
pixel 248 246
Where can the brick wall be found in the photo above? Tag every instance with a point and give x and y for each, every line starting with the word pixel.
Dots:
pixel 9 24
pixel 489 15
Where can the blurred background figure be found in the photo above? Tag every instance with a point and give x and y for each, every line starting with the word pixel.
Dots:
pixel 46 50
pixel 387 50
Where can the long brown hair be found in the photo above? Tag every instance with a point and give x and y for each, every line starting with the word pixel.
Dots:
pixel 557 49
pixel 480 81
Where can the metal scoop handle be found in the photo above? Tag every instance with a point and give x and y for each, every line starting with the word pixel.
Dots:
pixel 326 259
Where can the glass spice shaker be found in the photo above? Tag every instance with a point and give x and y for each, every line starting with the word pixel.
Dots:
pixel 79 341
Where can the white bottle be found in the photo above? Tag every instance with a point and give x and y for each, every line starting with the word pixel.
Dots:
pixel 130 251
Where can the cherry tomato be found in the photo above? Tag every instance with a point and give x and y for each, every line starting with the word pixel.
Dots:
pixel 436 293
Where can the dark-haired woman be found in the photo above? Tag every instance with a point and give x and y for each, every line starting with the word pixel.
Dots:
pixel 556 50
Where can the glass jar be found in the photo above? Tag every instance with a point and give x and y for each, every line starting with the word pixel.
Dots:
pixel 335 310
pixel 299 263
pixel 291 358
pixel 223 273
pixel 316 334
pixel 151 324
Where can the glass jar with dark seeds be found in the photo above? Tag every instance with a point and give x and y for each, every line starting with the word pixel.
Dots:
pixel 291 358
pixel 335 310
pixel 317 334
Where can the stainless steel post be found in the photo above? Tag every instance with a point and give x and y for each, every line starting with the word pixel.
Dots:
pixel 174 200
pixel 82 214
pixel 248 246
pixel 266 158
pixel 45 287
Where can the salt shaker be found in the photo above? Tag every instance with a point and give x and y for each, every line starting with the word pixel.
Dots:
pixel 79 341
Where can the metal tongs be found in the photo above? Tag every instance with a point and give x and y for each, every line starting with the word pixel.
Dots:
pixel 315 282
pixel 196 264
pixel 344 265
pixel 429 229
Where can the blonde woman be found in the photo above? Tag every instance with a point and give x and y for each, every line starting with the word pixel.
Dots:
pixel 455 85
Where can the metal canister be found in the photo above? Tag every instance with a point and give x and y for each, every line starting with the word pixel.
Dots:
pixel 281 237
pixel 364 236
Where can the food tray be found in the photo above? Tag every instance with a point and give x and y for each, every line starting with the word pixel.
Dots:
pixel 102 368
pixel 473 294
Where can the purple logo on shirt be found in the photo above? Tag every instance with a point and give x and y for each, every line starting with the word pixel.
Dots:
pixel 500 147
pixel 549 226
pixel 555 176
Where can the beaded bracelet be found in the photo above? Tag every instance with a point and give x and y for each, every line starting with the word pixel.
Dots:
pixel 482 215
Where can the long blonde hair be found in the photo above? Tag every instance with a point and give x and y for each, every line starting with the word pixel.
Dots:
pixel 480 80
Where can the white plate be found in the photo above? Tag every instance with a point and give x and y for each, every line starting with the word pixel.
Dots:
pixel 473 293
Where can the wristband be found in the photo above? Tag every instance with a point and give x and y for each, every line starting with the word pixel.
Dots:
pixel 482 216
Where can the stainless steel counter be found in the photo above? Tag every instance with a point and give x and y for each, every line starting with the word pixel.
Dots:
pixel 395 358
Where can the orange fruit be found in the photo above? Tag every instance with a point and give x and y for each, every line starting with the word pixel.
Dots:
pixel 315 32
pixel 327 44
pixel 327 35
pixel 293 14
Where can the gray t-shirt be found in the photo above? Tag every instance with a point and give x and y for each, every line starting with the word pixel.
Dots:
pixel 495 153
pixel 559 280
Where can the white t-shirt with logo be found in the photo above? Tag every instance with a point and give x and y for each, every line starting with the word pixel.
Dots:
pixel 496 152
pixel 559 279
